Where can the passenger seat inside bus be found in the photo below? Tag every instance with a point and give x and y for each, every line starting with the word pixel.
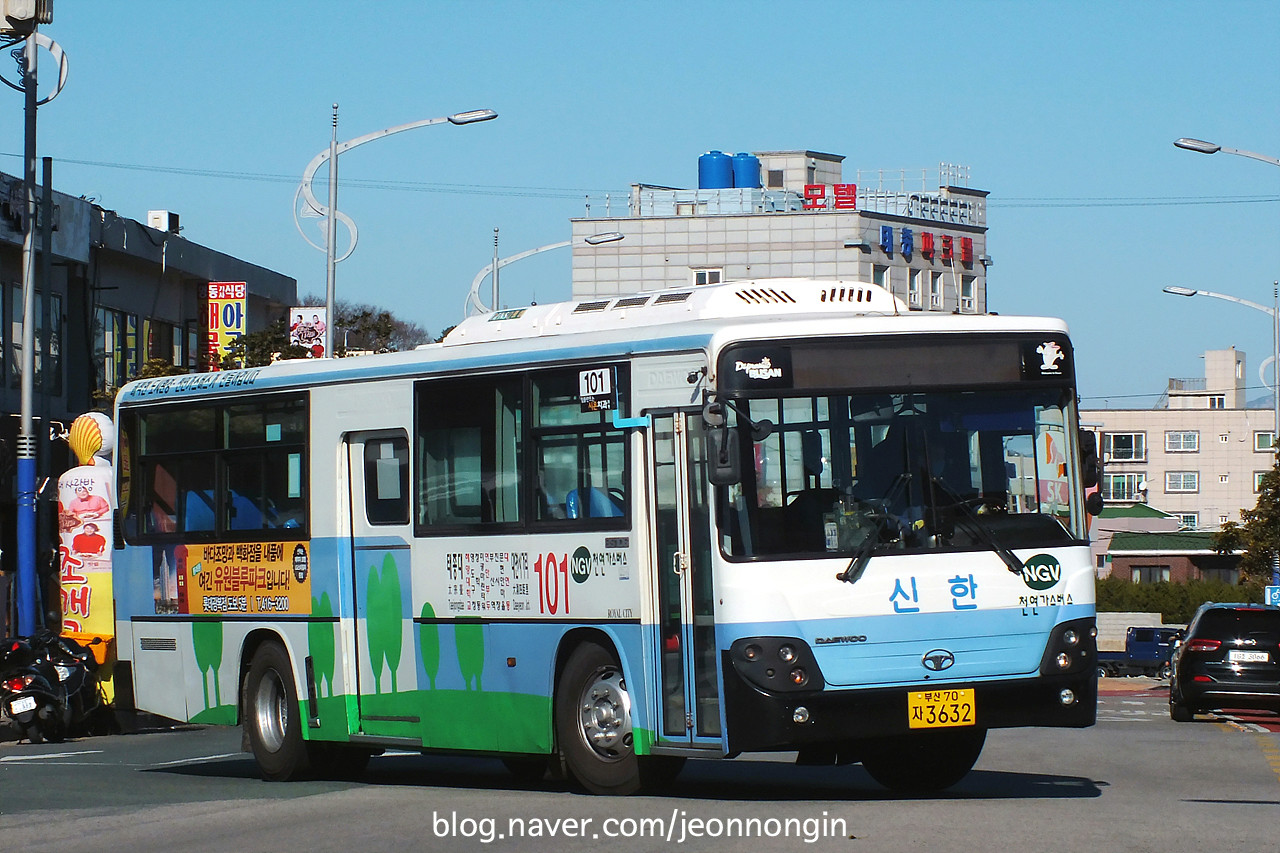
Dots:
pixel 598 505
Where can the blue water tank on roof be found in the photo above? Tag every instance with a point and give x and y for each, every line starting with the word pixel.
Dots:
pixel 746 171
pixel 715 171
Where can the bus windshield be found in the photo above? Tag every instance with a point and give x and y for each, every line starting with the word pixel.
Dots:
pixel 879 473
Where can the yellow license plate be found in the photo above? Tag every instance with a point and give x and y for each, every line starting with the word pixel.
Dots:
pixel 935 709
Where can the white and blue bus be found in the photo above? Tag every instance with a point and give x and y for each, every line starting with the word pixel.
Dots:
pixel 601 537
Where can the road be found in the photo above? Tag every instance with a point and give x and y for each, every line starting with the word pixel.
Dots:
pixel 1134 782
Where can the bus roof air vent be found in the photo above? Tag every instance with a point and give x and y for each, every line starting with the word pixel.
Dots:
pixel 630 302
pixel 586 307
pixel 765 296
pixel 669 298
pixel 847 295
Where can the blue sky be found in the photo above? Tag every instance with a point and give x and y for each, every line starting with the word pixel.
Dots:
pixel 1065 112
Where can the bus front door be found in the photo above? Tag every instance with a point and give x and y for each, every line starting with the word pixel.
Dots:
pixel 689 712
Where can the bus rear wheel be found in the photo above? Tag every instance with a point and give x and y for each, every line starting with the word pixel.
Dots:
pixel 593 722
pixel 272 717
pixel 924 761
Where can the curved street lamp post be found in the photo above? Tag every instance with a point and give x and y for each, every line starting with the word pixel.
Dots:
pixel 474 306
pixel 1200 146
pixel 312 207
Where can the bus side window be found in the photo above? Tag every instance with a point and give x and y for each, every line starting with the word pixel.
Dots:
pixel 386 480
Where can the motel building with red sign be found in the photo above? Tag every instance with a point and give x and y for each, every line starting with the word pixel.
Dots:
pixel 778 214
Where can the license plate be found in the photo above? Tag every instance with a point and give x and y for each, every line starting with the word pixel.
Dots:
pixel 22 705
pixel 1238 656
pixel 935 709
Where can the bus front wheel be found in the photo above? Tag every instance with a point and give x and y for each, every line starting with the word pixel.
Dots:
pixel 593 722
pixel 924 761
pixel 272 717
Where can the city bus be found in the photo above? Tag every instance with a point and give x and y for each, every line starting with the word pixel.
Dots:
pixel 598 538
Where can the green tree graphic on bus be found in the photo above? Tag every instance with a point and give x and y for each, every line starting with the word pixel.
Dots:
pixel 469 636
pixel 383 620
pixel 320 642
pixel 429 637
pixel 206 638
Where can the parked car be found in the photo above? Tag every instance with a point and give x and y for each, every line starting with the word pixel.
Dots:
pixel 1228 658
pixel 1146 652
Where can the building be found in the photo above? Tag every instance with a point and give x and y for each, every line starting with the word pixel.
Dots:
pixel 1177 557
pixel 1198 456
pixel 119 293
pixel 776 214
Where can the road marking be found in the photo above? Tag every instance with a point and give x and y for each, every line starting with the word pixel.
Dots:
pixel 1271 752
pixel 196 760
pixel 48 755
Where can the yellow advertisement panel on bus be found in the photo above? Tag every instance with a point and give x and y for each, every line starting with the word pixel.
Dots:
pixel 244 577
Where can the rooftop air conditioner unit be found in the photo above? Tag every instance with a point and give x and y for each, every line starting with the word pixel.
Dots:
pixel 163 220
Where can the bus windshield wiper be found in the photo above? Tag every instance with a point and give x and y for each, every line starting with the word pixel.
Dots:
pixel 862 555
pixel 974 522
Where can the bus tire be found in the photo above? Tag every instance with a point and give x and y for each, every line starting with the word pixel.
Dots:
pixel 923 761
pixel 593 722
pixel 272 717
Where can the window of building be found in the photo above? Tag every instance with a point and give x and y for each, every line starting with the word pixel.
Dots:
pixel 1264 442
pixel 935 291
pixel 1182 481
pixel 1188 520
pixel 1224 478
pixel 707 276
pixel 164 341
pixel 1257 480
pixel 1122 487
pixel 1222 519
pixel 775 179
pixel 1224 437
pixel 1124 446
pixel 1150 574
pixel 54 362
pixel 880 276
pixel 1217 401
pixel 968 288
pixel 915 297
pixel 1182 441
pixel 115 347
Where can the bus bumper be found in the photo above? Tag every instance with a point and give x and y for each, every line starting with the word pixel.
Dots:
pixel 760 721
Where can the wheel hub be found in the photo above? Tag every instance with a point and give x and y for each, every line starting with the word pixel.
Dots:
pixel 605 715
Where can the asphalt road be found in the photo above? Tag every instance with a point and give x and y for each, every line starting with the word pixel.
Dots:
pixel 1136 781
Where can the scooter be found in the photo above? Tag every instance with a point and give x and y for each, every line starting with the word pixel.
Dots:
pixel 31 692
pixel 77 670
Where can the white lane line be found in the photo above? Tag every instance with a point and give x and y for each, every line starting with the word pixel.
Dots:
pixel 197 760
pixel 48 755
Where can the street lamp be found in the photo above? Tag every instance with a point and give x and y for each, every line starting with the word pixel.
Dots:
pixel 474 306
pixel 1274 311
pixel 312 207
pixel 1202 147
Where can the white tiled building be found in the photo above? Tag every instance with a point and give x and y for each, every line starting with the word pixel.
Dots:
pixel 1199 456
pixel 923 239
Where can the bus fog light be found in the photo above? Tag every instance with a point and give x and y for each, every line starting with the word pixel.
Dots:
pixel 752 652
pixel 799 677
pixel 1070 637
pixel 800 715
pixel 1067 697
pixel 1064 660
pixel 787 653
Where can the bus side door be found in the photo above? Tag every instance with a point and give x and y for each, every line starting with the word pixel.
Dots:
pixel 690 694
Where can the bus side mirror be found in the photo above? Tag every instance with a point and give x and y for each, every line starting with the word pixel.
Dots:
pixel 1090 467
pixel 1093 503
pixel 724 464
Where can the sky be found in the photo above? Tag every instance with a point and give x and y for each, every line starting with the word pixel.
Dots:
pixel 1065 112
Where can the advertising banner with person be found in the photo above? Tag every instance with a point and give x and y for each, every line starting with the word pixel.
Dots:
pixel 306 329
pixel 85 532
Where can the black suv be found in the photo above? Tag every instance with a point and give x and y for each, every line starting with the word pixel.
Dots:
pixel 1228 658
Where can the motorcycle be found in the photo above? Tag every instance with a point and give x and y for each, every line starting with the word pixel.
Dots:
pixel 49 687
pixel 33 697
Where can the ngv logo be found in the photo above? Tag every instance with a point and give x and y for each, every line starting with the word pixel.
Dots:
pixel 1041 572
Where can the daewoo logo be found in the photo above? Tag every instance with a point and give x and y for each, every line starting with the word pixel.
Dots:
pixel 937 660
pixel 1042 571
pixel 762 369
